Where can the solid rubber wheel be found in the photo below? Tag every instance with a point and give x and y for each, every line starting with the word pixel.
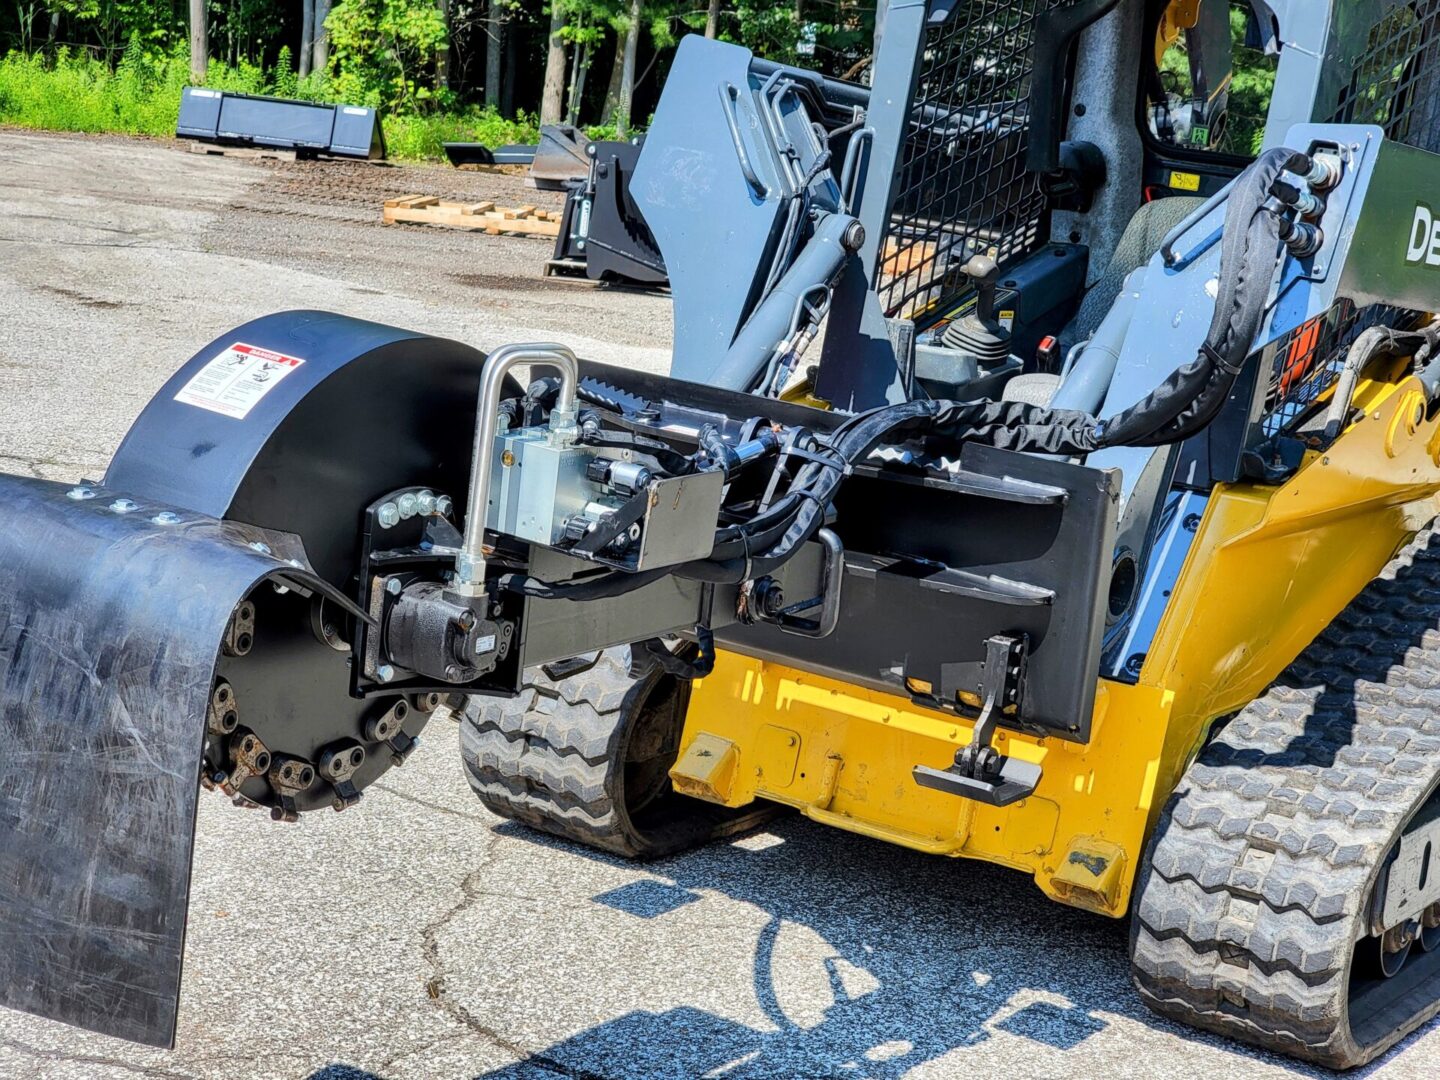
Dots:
pixel 1253 916
pixel 584 752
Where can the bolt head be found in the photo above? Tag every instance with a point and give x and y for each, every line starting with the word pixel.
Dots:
pixel 79 493
pixel 408 504
pixel 166 517
pixel 124 506
pixel 444 505
pixel 393 586
pixel 388 515
pixel 425 502
pixel 385 673
pixel 263 549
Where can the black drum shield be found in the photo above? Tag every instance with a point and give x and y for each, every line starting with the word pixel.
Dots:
pixel 111 619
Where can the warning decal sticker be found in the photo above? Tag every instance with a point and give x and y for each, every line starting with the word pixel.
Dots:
pixel 233 382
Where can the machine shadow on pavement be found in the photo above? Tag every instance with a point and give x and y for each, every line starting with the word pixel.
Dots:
pixel 956 950
pixel 945 944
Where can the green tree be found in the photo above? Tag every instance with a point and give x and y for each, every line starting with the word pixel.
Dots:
pixel 384 51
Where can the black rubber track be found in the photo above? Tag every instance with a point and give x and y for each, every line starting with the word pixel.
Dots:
pixel 1258 881
pixel 552 757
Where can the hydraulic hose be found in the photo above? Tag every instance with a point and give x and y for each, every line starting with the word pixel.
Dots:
pixel 1184 404
pixel 1250 252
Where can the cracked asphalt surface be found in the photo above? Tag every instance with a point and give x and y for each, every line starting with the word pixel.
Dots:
pixel 416 935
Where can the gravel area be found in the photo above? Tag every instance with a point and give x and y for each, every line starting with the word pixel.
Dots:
pixel 416 935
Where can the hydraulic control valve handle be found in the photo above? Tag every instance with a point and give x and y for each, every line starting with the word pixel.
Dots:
pixel 984 271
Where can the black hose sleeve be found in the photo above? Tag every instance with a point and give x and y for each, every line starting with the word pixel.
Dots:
pixel 599 587
pixel 1250 251
pixel 690 662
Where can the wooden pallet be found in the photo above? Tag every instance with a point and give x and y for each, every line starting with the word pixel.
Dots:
pixel 483 217
pixel 254 153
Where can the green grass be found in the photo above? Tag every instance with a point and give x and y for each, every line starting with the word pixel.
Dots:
pixel 420 138
pixel 72 91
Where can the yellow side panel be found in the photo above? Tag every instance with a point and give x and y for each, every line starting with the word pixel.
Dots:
pixel 1269 568
pixel 854 749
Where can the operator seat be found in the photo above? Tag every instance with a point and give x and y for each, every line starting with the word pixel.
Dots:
pixel 1139 243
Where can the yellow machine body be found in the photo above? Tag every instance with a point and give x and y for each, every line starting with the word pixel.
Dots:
pixel 1269 568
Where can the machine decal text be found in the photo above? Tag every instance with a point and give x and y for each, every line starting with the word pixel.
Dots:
pixel 1424 238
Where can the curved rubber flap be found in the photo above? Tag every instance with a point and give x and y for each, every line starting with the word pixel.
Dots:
pixel 110 626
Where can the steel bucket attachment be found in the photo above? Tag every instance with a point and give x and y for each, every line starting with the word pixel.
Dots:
pixel 559 156
pixel 196 613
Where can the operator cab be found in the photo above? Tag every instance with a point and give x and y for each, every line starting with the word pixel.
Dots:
pixel 1007 293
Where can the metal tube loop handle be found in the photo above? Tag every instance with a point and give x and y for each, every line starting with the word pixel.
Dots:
pixel 470 562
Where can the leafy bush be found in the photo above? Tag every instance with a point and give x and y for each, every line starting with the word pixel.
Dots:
pixel 421 137
pixel 75 92
pixel 141 96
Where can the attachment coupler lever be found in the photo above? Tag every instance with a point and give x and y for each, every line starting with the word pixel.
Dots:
pixel 980 771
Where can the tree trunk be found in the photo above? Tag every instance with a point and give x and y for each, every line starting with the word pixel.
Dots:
pixel 199 42
pixel 23 19
pixel 442 54
pixel 612 91
pixel 321 62
pixel 494 34
pixel 54 26
pixel 552 101
pixel 307 36
pixel 712 19
pixel 577 85
pixel 507 81
pixel 627 74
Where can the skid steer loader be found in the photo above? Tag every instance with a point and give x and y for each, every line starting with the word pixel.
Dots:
pixel 1092 541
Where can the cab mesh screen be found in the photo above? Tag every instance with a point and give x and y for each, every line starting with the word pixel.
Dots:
pixel 1395 83
pixel 1306 362
pixel 1396 80
pixel 963 187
